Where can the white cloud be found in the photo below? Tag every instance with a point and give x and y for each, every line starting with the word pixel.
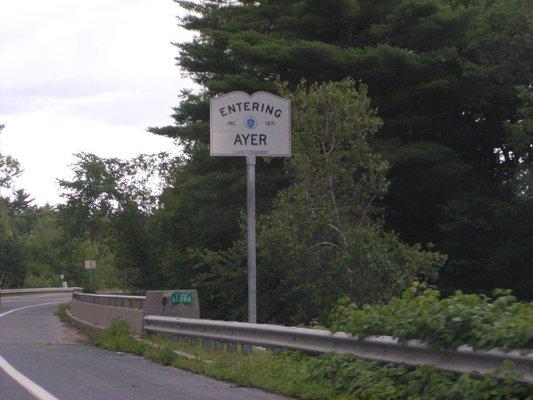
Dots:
pixel 50 141
pixel 85 76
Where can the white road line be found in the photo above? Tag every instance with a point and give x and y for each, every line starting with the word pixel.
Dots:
pixel 26 298
pixel 33 305
pixel 38 392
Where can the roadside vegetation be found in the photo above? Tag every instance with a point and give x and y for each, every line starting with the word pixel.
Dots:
pixel 324 377
pixel 482 322
pixel 411 141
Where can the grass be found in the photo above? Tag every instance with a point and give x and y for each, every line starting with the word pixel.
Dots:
pixel 260 369
pixel 303 376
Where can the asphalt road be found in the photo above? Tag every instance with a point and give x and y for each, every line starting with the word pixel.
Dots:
pixel 40 354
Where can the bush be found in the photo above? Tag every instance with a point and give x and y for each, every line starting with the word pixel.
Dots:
pixel 40 281
pixel 477 320
pixel 354 378
pixel 328 376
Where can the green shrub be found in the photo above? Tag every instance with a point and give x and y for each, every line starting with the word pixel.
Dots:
pixel 40 281
pixel 164 355
pixel 324 377
pixel 360 379
pixel 118 328
pixel 117 337
pixel 479 321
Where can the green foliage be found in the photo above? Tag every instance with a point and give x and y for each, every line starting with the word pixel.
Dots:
pixel 521 142
pixel 421 313
pixel 9 169
pixel 361 379
pixel 17 219
pixel 322 238
pixel 108 204
pixel 40 281
pixel 117 337
pixel 11 254
pixel 50 252
pixel 202 207
pixel 442 75
pixel 12 269
pixel 481 221
pixel 36 247
pixel 329 376
pixel 220 278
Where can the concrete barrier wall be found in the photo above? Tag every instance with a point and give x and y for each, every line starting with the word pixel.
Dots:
pixel 163 302
pixel 103 316
pixel 101 310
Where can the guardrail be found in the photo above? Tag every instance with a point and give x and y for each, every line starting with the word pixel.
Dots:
pixel 382 348
pixel 111 300
pixel 14 292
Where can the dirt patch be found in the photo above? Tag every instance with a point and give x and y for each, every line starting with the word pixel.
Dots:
pixel 71 336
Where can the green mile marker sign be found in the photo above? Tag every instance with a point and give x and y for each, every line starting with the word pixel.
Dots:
pixel 181 298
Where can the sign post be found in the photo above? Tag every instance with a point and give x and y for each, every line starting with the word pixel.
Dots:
pixel 250 126
pixel 250 223
pixel 90 265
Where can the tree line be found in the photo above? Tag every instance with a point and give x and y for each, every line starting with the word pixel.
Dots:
pixel 411 161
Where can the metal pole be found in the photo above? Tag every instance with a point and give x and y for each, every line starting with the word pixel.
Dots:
pixel 250 199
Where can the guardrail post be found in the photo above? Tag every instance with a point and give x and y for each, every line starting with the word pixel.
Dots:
pixel 206 344
pixel 246 348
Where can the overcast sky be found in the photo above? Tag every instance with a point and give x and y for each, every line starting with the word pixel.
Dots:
pixel 78 75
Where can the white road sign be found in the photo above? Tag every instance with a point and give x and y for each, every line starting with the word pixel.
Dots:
pixel 90 264
pixel 256 125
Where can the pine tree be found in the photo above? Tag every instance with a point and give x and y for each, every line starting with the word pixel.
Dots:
pixel 442 74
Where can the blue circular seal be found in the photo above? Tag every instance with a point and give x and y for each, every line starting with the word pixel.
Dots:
pixel 250 122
